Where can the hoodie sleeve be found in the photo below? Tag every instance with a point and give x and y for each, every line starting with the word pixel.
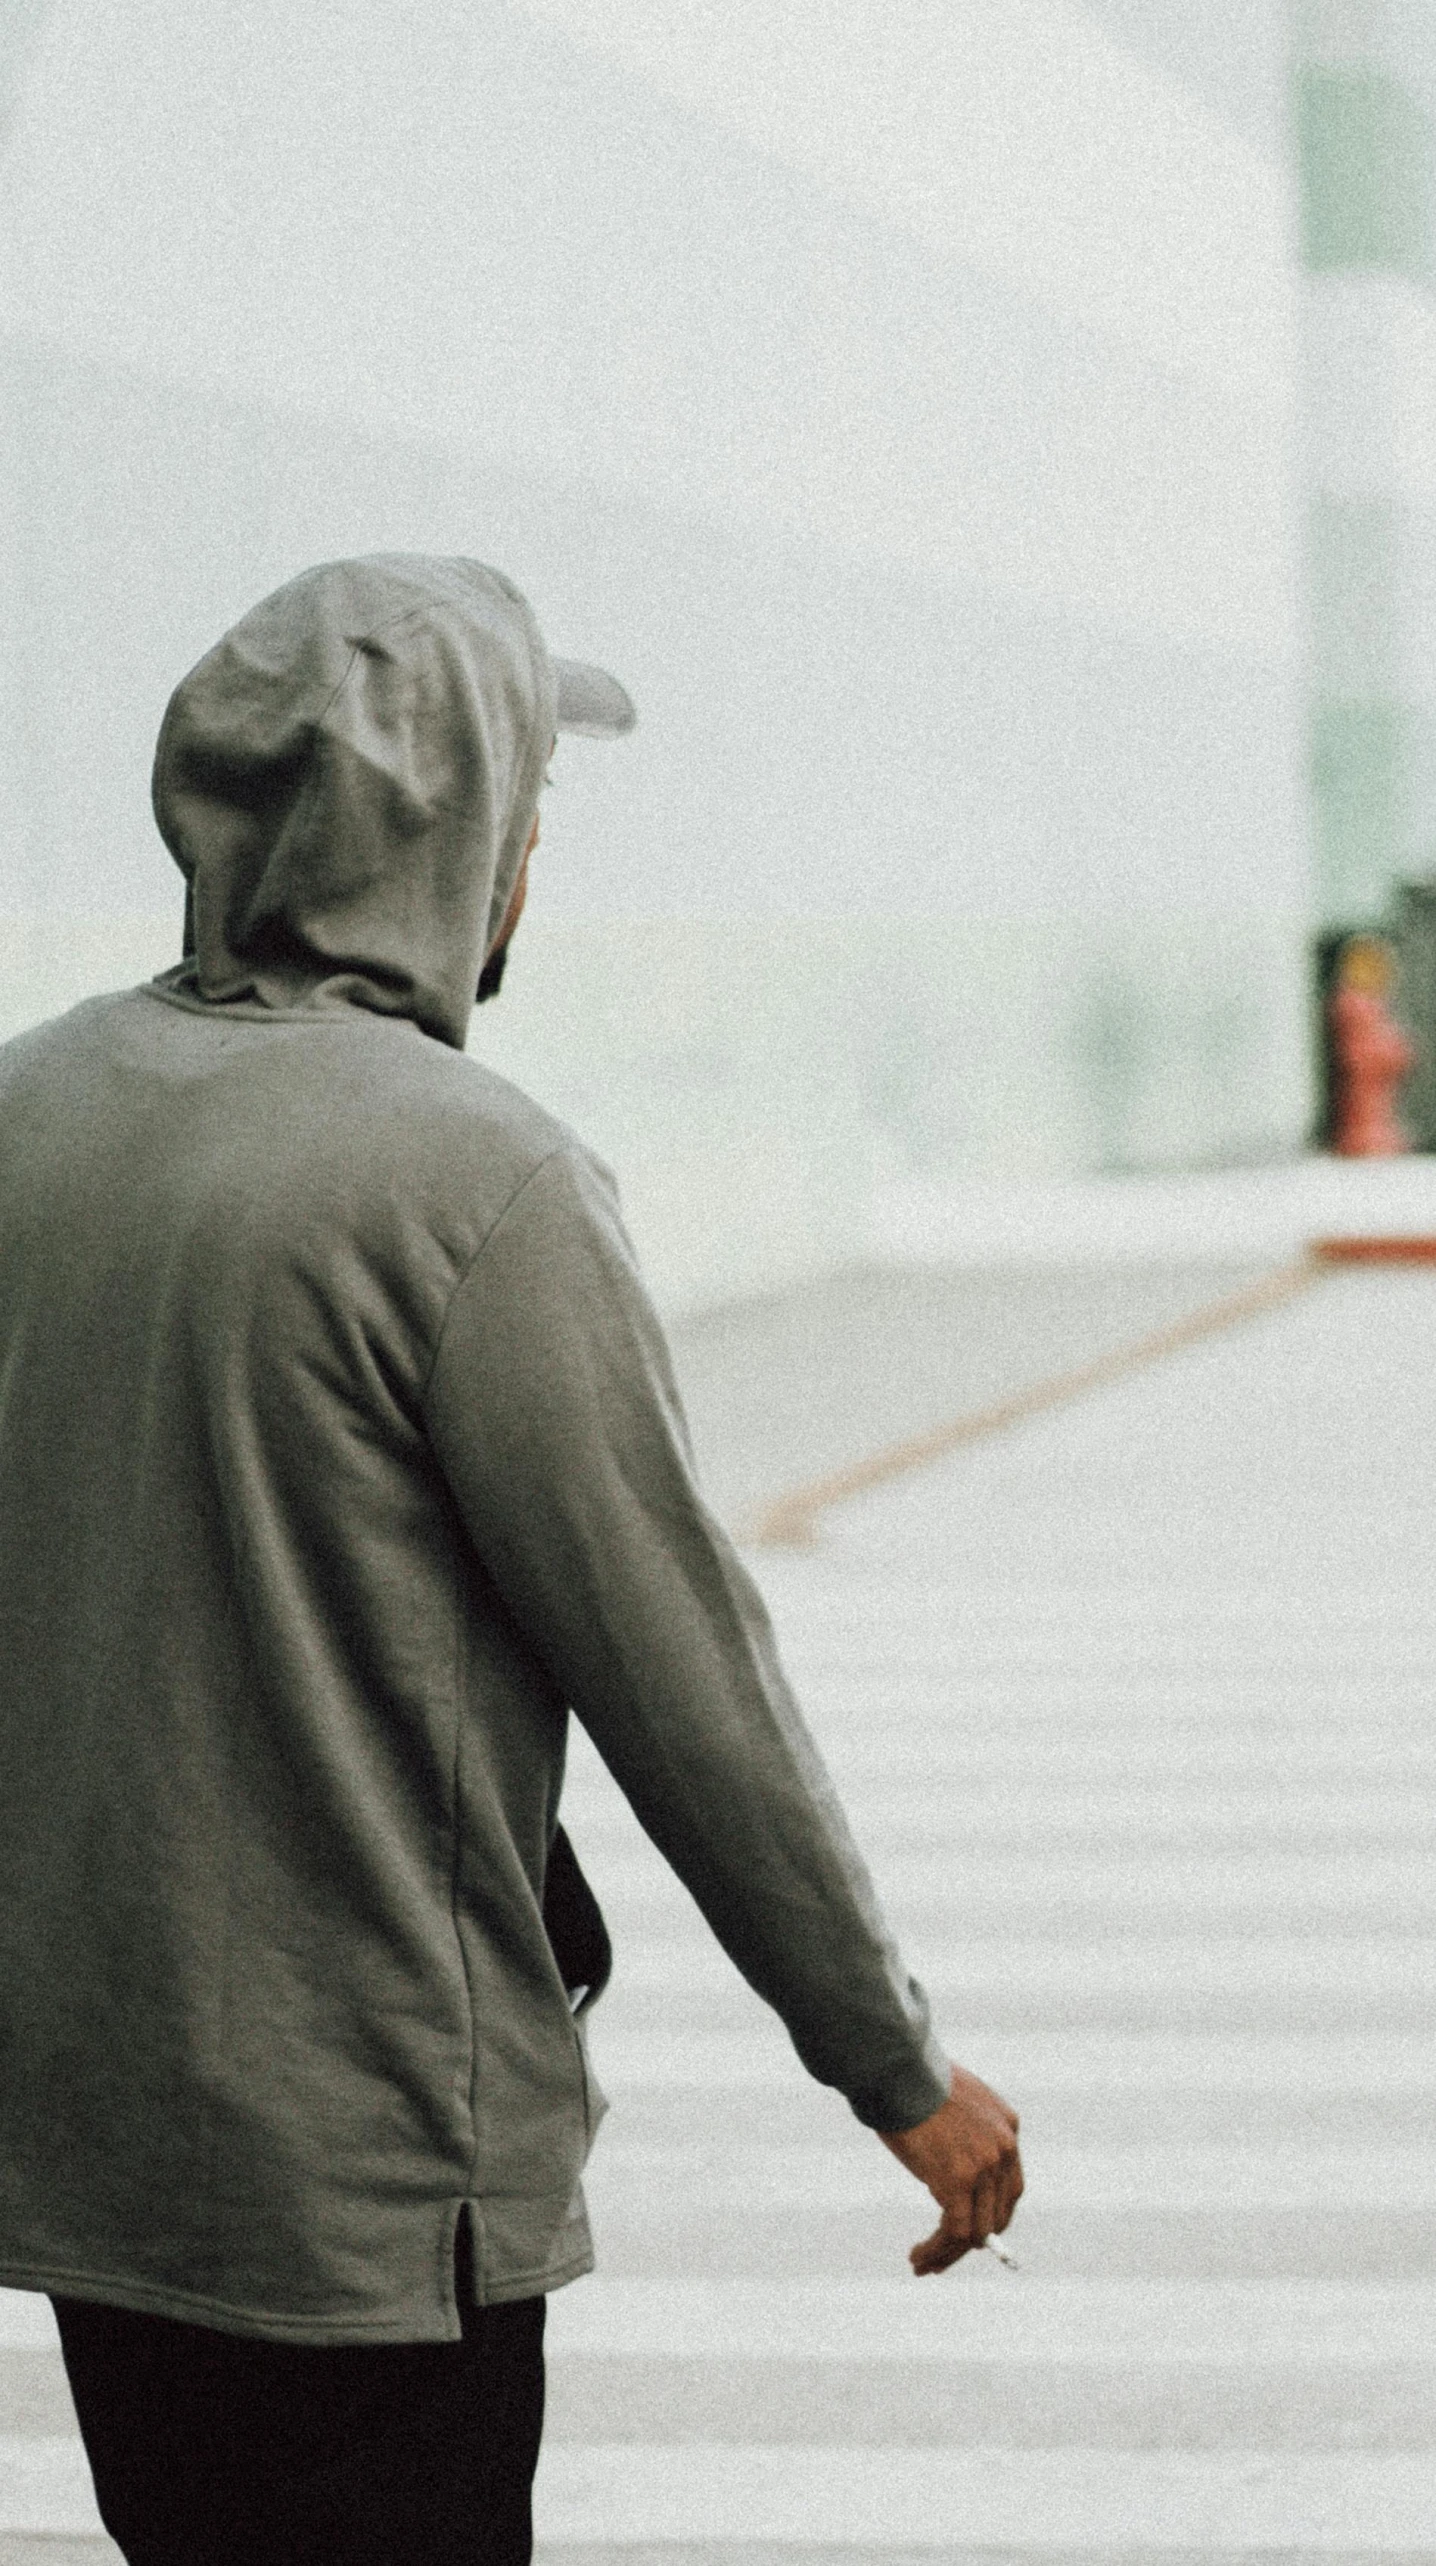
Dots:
pixel 554 1415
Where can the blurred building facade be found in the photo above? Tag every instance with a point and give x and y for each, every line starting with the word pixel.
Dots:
pixel 986 435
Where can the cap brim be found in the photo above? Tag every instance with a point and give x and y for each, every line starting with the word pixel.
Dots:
pixel 591 703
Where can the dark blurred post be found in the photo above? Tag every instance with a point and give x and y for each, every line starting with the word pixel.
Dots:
pixel 1416 1004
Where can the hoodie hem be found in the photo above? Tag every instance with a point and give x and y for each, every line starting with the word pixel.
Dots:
pixel 223 2316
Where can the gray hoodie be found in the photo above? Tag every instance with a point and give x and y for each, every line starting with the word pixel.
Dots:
pixel 340 1459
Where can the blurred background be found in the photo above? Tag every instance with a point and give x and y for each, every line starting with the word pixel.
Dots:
pixel 995 441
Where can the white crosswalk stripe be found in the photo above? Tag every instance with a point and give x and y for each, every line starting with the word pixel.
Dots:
pixel 996 2498
pixel 45 2487
pixel 1073 2063
pixel 995 2319
pixel 1072 2178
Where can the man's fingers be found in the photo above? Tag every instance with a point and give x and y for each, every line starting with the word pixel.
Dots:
pixel 982 2218
pixel 966 2226
pixel 968 2221
pixel 1006 2192
pixel 1011 2191
pixel 966 2154
pixel 946 2246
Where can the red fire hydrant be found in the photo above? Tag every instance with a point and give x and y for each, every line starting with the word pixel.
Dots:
pixel 1370 1053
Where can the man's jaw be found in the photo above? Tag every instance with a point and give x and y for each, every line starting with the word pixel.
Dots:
pixel 491 977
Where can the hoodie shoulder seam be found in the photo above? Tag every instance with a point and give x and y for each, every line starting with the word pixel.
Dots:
pixel 495 1225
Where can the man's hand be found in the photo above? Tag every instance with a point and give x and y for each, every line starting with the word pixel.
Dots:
pixel 966 2153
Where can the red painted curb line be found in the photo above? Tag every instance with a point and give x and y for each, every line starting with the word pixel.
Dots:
pixel 1374 1251
pixel 791 1521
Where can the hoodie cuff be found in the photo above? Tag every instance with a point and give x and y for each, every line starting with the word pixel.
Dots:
pixel 906 2093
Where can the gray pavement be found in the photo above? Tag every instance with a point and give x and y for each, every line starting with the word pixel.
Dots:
pixel 787 1385
pixel 1132 1711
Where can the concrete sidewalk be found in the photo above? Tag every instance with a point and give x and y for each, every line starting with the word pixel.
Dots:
pixel 1238 1213
pixel 957 1298
pixel 788 1385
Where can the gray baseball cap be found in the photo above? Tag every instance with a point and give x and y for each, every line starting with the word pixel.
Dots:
pixel 591 703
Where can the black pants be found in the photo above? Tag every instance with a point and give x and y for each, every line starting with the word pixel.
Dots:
pixel 209 2449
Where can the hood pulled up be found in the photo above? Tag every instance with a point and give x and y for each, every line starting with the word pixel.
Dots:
pixel 347 782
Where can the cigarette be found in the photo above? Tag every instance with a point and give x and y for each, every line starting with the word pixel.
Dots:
pixel 1001 2253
